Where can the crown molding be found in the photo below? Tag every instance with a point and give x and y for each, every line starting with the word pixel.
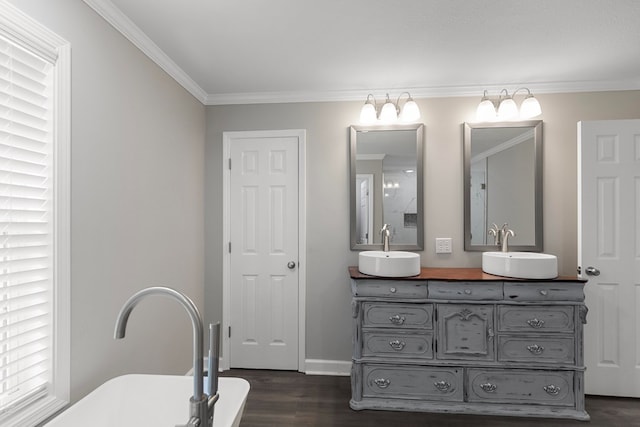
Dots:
pixel 124 25
pixel 114 16
pixel 419 92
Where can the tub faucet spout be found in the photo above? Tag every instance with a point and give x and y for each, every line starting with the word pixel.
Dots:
pixel 201 404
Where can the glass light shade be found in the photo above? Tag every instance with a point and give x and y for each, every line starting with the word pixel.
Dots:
pixel 507 109
pixel 368 113
pixel 486 111
pixel 530 108
pixel 388 114
pixel 410 111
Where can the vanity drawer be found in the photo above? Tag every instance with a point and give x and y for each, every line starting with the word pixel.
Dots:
pixel 475 291
pixel 413 382
pixel 543 291
pixel 536 348
pixel 389 288
pixel 397 344
pixel 397 315
pixel 521 386
pixel 535 318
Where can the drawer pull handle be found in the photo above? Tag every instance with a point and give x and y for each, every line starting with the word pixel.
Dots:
pixel 551 389
pixel 543 292
pixel 397 319
pixel 382 382
pixel 489 388
pixel 535 349
pixel 535 323
pixel 397 345
pixel 392 290
pixel 442 386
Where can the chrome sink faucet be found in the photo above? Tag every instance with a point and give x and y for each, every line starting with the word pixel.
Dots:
pixel 201 404
pixel 386 233
pixel 505 232
pixel 501 235
pixel 496 233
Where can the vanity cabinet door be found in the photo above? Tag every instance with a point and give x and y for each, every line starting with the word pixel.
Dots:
pixel 514 318
pixel 397 344
pixel 521 386
pixel 413 382
pixel 543 291
pixel 397 315
pixel 465 332
pixel 389 288
pixel 536 348
pixel 470 291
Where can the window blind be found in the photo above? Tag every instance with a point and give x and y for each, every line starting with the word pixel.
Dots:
pixel 26 230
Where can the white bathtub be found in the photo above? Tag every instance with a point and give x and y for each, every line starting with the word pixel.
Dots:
pixel 151 401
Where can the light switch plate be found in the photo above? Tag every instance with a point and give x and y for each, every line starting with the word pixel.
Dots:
pixel 443 245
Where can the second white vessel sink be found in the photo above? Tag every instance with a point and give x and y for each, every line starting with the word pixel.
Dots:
pixel 389 264
pixel 520 265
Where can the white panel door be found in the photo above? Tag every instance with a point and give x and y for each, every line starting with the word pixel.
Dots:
pixel 264 252
pixel 609 253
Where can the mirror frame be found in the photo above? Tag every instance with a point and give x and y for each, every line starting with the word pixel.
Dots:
pixel 537 129
pixel 419 128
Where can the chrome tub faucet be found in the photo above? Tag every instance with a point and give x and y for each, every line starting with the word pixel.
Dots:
pixel 201 404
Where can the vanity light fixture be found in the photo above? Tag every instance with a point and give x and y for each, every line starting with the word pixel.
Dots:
pixel 507 108
pixel 390 112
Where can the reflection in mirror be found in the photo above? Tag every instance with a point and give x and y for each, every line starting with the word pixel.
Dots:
pixel 503 184
pixel 386 186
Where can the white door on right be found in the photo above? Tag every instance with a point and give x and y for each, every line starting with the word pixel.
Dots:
pixel 609 253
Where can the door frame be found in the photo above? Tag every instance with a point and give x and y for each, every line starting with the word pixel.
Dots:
pixel 227 140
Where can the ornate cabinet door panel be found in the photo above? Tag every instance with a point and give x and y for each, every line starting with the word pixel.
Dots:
pixel 465 332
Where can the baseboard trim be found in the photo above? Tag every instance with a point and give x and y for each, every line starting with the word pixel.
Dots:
pixel 327 367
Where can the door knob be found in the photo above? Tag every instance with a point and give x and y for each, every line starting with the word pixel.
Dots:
pixel 291 265
pixel 592 271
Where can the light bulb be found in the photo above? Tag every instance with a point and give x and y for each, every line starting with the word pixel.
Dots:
pixel 388 114
pixel 530 108
pixel 410 111
pixel 368 113
pixel 486 111
pixel 507 109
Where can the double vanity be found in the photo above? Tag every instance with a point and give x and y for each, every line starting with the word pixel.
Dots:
pixel 459 340
pixel 504 339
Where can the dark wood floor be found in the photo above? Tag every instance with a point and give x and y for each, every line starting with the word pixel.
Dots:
pixel 282 398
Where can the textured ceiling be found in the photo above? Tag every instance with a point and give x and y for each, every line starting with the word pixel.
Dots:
pixel 228 51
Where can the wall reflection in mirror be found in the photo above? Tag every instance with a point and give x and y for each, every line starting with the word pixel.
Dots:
pixel 503 184
pixel 386 186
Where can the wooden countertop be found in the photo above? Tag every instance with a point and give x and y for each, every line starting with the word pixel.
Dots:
pixel 456 274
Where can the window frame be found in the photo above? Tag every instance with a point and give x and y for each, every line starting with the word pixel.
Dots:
pixel 18 27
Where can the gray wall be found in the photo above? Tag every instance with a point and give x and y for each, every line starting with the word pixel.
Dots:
pixel 137 175
pixel 328 255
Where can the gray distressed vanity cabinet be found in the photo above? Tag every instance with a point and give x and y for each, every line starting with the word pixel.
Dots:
pixel 462 341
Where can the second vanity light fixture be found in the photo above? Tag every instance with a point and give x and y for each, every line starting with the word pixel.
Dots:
pixel 507 108
pixel 389 112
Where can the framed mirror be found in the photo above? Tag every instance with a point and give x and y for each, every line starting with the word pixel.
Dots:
pixel 503 184
pixel 387 186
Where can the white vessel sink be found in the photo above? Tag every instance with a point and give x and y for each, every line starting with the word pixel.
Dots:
pixel 520 265
pixel 389 264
